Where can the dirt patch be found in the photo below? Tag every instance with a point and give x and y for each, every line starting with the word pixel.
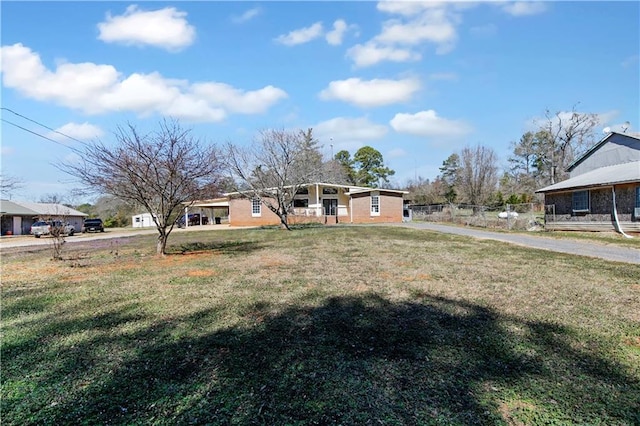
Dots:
pixel 509 411
pixel 202 273
pixel 273 261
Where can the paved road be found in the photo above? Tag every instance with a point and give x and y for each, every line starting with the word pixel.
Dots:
pixel 29 241
pixel 582 248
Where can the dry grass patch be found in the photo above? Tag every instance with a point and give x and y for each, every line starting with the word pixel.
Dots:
pixel 340 325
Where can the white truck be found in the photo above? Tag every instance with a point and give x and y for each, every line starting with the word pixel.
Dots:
pixel 52 227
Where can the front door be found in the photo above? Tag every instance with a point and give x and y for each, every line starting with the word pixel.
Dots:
pixel 330 206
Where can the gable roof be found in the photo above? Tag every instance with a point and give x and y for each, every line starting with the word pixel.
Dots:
pixel 603 176
pixel 50 209
pixel 597 146
pixel 12 209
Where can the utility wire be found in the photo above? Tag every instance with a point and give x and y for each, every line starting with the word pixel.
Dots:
pixel 40 124
pixel 38 134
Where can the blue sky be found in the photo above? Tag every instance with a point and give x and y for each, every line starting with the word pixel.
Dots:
pixel 417 81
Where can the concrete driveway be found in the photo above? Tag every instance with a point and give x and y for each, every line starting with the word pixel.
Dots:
pixel 580 248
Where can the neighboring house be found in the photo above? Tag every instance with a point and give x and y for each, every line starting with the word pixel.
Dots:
pixel 18 216
pixel 323 203
pixel 143 220
pixel 16 219
pixel 603 190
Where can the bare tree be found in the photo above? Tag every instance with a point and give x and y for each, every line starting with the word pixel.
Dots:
pixel 274 168
pixel 9 184
pixel 423 191
pixel 565 136
pixel 478 174
pixel 161 171
pixel 52 198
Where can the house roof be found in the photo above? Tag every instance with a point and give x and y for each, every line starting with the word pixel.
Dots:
pixel 597 146
pixel 12 209
pixel 50 209
pixel 214 202
pixel 351 188
pixel 603 176
pixel 364 190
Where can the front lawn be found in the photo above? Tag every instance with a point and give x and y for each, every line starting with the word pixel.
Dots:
pixel 337 325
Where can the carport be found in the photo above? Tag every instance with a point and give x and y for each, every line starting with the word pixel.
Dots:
pixel 216 211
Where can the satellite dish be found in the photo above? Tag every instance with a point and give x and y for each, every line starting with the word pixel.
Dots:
pixel 606 130
pixel 625 126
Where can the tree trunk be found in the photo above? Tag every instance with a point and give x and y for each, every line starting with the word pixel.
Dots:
pixel 161 245
pixel 283 222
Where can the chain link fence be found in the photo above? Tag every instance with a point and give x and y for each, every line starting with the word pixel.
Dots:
pixel 526 216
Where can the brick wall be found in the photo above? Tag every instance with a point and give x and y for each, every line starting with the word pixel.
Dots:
pixel 390 208
pixel 240 215
pixel 390 211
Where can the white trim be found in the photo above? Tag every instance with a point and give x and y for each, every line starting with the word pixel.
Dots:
pixel 253 213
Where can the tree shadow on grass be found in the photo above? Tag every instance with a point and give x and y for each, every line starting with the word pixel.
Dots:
pixel 223 247
pixel 350 361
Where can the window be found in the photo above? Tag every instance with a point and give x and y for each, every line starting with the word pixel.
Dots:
pixel 637 196
pixel 581 201
pixel 256 208
pixel 301 203
pixel 329 191
pixel 375 205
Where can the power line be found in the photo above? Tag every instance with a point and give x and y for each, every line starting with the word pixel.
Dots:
pixel 37 134
pixel 40 124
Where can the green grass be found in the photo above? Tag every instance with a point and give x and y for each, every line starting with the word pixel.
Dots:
pixel 335 325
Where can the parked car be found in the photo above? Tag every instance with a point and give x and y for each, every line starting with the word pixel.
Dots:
pixel 194 219
pixel 51 227
pixel 92 225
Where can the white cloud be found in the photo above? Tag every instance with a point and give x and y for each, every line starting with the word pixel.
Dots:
pixel 371 53
pixel 429 124
pixel 433 26
pixel 6 150
pixel 443 76
pixel 408 8
pixel 96 89
pixel 247 16
pixel 239 101
pixel 487 30
pixel 81 131
pixel 342 131
pixel 334 37
pixel 301 36
pixel 524 8
pixel 371 93
pixel 397 153
pixel 165 28
pixel 417 24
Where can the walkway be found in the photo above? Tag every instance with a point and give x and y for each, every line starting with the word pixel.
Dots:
pixel 581 248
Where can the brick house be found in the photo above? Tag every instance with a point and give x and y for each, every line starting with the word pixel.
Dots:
pixel 323 203
pixel 603 189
